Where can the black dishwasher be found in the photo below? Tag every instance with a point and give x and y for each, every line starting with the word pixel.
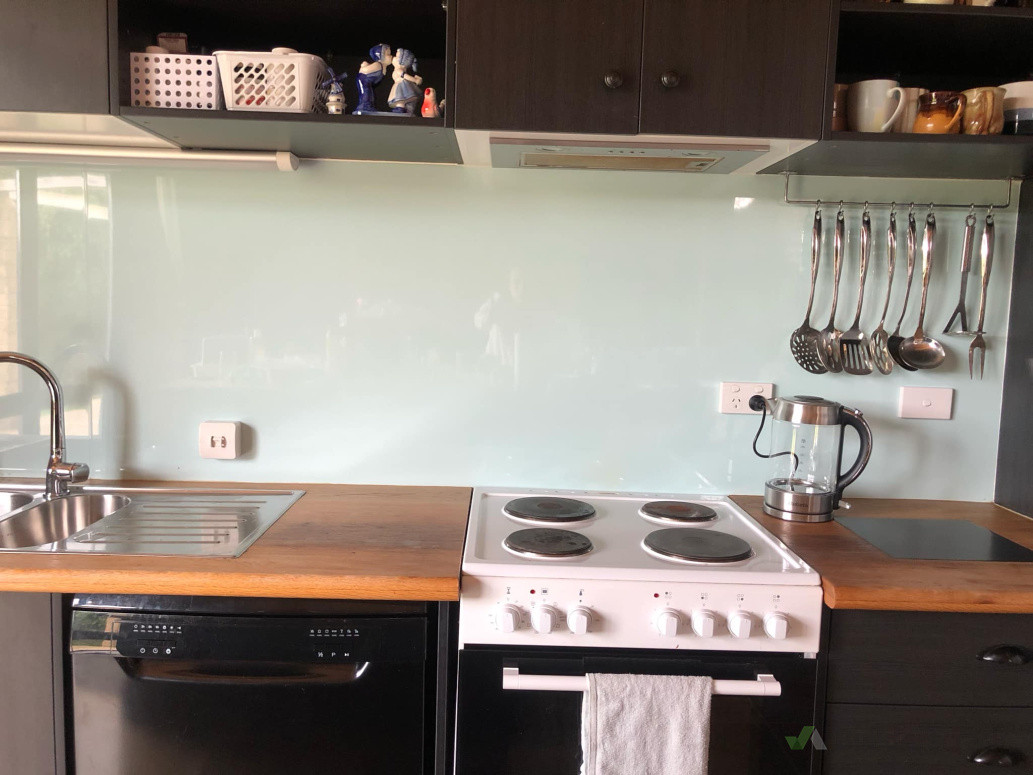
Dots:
pixel 228 685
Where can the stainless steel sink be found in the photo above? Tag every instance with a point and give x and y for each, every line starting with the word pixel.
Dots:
pixel 9 501
pixel 57 519
pixel 139 521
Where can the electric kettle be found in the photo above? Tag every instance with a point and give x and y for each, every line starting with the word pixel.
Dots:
pixel 806 455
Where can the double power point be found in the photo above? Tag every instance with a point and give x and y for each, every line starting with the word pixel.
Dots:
pixel 735 396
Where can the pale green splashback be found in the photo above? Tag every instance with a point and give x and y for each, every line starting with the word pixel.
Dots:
pixel 414 324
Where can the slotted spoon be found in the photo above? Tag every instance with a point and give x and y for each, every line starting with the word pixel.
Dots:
pixel 879 343
pixel 895 339
pixel 805 340
pixel 854 351
pixel 828 349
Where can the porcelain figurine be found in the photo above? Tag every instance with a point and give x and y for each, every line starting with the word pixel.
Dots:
pixel 405 93
pixel 335 100
pixel 371 73
pixel 430 104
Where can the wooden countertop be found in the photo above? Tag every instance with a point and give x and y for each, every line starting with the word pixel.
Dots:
pixel 857 575
pixel 339 541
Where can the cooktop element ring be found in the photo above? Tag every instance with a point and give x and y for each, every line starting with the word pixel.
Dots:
pixel 697 546
pixel 548 510
pixel 677 512
pixel 547 543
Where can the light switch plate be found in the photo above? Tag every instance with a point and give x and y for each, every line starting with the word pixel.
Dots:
pixel 926 403
pixel 219 440
pixel 735 396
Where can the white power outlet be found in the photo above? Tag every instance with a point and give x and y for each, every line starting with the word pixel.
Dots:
pixel 735 396
pixel 219 440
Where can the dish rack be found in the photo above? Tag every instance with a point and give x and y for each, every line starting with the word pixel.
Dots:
pixel 175 81
pixel 281 80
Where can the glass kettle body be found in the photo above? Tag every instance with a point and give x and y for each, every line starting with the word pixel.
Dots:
pixel 806 453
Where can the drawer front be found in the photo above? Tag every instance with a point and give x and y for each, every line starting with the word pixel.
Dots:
pixel 892 740
pixel 905 658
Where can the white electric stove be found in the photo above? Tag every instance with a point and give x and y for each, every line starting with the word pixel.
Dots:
pixel 568 568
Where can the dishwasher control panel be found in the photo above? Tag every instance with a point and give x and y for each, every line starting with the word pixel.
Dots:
pixel 287 639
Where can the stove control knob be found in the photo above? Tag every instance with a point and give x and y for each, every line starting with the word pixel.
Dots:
pixel 667 622
pixel 578 620
pixel 703 623
pixel 543 619
pixel 776 626
pixel 740 624
pixel 507 618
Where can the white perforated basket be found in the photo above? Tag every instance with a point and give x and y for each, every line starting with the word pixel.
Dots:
pixel 282 80
pixel 174 81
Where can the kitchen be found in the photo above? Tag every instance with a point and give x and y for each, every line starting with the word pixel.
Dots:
pixel 444 325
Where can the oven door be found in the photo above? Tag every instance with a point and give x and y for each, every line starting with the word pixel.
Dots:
pixel 516 732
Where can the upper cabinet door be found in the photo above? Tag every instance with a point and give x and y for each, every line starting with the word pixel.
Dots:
pixel 548 65
pixel 753 68
pixel 54 55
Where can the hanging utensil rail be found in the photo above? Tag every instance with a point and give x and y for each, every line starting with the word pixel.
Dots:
pixel 764 686
pixel 904 203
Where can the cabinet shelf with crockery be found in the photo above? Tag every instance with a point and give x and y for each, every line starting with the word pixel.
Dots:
pixel 335 37
pixel 887 56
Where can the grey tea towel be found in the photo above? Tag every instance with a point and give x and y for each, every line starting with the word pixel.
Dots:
pixel 645 725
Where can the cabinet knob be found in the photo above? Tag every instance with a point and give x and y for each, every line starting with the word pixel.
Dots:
pixel 670 79
pixel 996 757
pixel 1006 655
pixel 613 79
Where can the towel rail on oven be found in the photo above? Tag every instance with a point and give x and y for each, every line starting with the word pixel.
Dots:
pixel 764 686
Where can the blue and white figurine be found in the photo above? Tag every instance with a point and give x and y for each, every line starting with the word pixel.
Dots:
pixel 335 100
pixel 406 92
pixel 372 72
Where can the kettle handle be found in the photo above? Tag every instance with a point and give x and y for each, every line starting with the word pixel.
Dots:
pixel 855 420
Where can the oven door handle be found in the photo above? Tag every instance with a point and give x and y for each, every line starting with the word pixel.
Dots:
pixel 764 686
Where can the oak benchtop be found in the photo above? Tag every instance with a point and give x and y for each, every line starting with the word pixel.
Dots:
pixel 855 574
pixel 338 541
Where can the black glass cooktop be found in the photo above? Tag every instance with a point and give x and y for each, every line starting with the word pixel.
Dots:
pixel 936 539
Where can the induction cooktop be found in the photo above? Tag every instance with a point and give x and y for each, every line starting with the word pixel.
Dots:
pixel 936 539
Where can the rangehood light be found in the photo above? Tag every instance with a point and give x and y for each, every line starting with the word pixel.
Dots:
pixel 284 161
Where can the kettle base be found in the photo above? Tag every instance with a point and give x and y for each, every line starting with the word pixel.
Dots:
pixel 797 501
pixel 790 516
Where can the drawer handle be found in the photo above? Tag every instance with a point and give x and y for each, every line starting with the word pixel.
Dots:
pixel 670 79
pixel 613 79
pixel 999 757
pixel 1006 655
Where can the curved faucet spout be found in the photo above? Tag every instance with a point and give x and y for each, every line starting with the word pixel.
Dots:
pixel 59 473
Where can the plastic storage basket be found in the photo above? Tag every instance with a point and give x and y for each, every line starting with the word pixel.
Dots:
pixel 174 81
pixel 282 81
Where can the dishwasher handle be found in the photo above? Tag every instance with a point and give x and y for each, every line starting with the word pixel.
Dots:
pixel 241 673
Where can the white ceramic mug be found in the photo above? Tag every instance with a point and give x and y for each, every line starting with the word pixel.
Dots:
pixel 906 121
pixel 874 106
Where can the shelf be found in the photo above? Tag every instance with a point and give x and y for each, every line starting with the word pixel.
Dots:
pixel 307 135
pixel 863 154
pixel 919 9
pixel 934 46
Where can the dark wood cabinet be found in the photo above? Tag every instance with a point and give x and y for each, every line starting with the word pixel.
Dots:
pixel 54 56
pixel 547 66
pixel 32 684
pixel 896 740
pixel 755 68
pixel 910 692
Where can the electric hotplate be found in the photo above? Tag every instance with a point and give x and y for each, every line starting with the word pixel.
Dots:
pixel 936 539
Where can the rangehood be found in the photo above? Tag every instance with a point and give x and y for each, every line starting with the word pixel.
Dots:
pixel 654 153
pixel 89 129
